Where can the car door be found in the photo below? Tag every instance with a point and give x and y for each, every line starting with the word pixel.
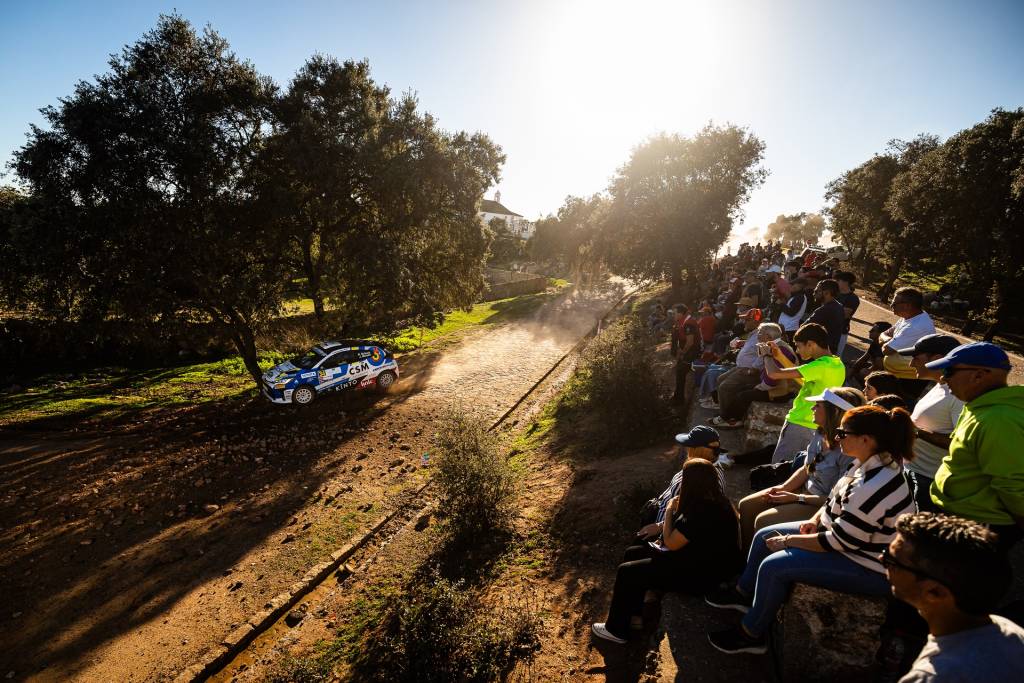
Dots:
pixel 358 367
pixel 331 371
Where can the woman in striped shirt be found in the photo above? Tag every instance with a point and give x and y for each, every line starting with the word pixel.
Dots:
pixel 840 547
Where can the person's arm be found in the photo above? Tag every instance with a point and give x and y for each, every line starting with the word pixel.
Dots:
pixel 1006 475
pixel 672 538
pixel 934 438
pixel 799 541
pixel 772 366
pixel 690 341
pixel 792 306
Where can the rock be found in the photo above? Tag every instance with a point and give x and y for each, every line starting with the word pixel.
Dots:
pixel 235 586
pixel 200 483
pixel 764 422
pixel 404 447
pixel 357 468
pixel 295 616
pixel 210 508
pixel 396 462
pixel 87 541
pixel 288 538
pixel 362 456
pixel 841 630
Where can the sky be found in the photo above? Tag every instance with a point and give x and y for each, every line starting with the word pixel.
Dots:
pixel 568 88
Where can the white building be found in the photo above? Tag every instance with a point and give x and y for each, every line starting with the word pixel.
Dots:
pixel 517 225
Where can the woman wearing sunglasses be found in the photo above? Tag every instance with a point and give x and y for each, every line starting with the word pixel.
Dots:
pixel 840 547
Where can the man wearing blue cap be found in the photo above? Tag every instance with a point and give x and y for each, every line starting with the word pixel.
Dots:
pixel 982 477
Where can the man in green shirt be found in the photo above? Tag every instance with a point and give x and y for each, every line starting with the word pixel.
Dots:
pixel 821 370
pixel 982 476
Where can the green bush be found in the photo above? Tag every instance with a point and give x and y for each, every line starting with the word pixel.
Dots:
pixel 475 484
pixel 616 388
pixel 438 631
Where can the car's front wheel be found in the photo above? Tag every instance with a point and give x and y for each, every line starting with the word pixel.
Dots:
pixel 385 381
pixel 304 395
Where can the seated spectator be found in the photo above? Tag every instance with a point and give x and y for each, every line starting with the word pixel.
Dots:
pixel 868 363
pixel 707 324
pixel 829 313
pixel 821 370
pixel 879 383
pixel 794 310
pixel 982 476
pixel 748 362
pixel 753 292
pixel 850 302
pixel 889 401
pixel 934 415
pixel 700 443
pixel 698 548
pixel 736 392
pixel 914 323
pixel 953 572
pixel 840 547
pixel 800 496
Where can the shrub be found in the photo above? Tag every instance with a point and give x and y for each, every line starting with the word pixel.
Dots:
pixel 475 484
pixel 616 387
pixel 437 631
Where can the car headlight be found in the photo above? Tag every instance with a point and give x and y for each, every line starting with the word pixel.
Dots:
pixel 280 385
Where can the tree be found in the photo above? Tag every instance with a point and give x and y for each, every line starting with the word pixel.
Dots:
pixel 149 168
pixel 505 245
pixel 799 228
pixel 965 204
pixel 674 201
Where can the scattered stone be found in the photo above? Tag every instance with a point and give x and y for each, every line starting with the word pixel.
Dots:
pixel 396 462
pixel 200 483
pixel 288 538
pixel 295 616
pixel 357 468
pixel 210 508
pixel 87 541
pixel 307 525
pixel 235 586
pixel 362 456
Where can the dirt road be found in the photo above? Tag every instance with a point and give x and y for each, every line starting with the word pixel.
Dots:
pixel 132 549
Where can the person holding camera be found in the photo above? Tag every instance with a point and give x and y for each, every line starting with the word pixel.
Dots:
pixel 736 395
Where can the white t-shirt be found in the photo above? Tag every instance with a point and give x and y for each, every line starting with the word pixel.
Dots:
pixel 907 331
pixel 936 411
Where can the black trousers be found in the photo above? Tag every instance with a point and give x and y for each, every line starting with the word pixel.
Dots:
pixel 644 568
pixel 682 370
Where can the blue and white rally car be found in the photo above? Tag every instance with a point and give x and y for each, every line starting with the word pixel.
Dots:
pixel 331 366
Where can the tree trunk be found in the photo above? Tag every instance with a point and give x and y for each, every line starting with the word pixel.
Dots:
pixel 677 281
pixel 245 343
pixel 890 281
pixel 312 278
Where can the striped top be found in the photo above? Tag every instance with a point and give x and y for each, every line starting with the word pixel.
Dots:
pixel 859 517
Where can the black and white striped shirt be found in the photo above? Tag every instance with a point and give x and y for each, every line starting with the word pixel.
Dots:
pixel 859 517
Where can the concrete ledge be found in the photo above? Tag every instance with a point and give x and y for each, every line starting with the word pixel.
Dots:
pixel 764 422
pixel 828 636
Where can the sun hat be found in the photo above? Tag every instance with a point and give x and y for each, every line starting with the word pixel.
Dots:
pixel 829 396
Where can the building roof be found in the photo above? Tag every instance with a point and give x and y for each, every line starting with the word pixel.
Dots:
pixel 491 206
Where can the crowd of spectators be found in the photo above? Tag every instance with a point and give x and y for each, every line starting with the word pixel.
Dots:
pixel 896 474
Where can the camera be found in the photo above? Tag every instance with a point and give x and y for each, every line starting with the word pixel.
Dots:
pixel 764 349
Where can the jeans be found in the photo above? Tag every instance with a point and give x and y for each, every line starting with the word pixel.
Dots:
pixel 709 379
pixel 792 439
pixel 842 343
pixel 769 576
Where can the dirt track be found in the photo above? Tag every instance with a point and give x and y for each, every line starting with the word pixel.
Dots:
pixel 119 567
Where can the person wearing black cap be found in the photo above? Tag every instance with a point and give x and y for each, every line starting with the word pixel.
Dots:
pixel 935 415
pixel 982 477
pixel 698 549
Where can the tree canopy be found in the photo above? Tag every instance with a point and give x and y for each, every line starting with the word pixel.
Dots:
pixel 797 228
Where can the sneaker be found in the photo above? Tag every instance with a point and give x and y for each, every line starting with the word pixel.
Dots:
pixel 725 461
pixel 735 640
pixel 709 403
pixel 722 423
pixel 729 598
pixel 604 634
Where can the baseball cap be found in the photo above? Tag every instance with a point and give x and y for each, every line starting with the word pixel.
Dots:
pixel 980 354
pixel 829 396
pixel 701 435
pixel 932 344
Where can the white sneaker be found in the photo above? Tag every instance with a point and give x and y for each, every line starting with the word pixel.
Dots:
pixel 709 403
pixel 604 634
pixel 725 461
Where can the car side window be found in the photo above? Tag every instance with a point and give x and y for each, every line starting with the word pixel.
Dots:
pixel 333 360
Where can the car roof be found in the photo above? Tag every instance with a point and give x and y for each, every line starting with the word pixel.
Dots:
pixel 335 345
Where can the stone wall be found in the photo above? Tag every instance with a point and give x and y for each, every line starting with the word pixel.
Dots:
pixel 764 422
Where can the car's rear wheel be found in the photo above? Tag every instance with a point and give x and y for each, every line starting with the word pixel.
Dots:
pixel 304 395
pixel 385 381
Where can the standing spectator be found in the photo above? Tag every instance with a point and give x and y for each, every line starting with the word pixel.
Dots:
pixel 849 301
pixel 935 415
pixel 707 324
pixel 794 310
pixel 699 547
pixel 914 323
pixel 821 370
pixel 841 546
pixel 829 313
pixel 982 477
pixel 953 572
pixel 685 347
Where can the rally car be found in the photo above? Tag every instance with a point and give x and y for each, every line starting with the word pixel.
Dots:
pixel 331 366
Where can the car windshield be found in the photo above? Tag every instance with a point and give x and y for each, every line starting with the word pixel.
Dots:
pixel 309 360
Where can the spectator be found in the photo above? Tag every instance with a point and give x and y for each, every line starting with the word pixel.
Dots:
pixel 840 546
pixel 953 572
pixel 829 313
pixel 880 383
pixel 753 293
pixel 914 323
pixel 935 415
pixel 982 476
pixel 698 549
pixel 794 309
pixel 849 301
pixel 821 370
pixel 658 318
pixel 685 347
pixel 889 401
pixel 869 361
pixel 707 324
pixel 700 443
pixel 748 362
pixel 800 496
pixel 736 392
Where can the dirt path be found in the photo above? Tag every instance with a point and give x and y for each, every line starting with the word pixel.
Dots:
pixel 133 550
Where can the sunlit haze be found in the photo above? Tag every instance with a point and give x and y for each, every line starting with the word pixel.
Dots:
pixel 568 88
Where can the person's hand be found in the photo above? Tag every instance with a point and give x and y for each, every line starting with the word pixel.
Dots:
pixel 779 496
pixel 775 543
pixel 672 505
pixel 775 489
pixel 649 531
pixel 808 528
